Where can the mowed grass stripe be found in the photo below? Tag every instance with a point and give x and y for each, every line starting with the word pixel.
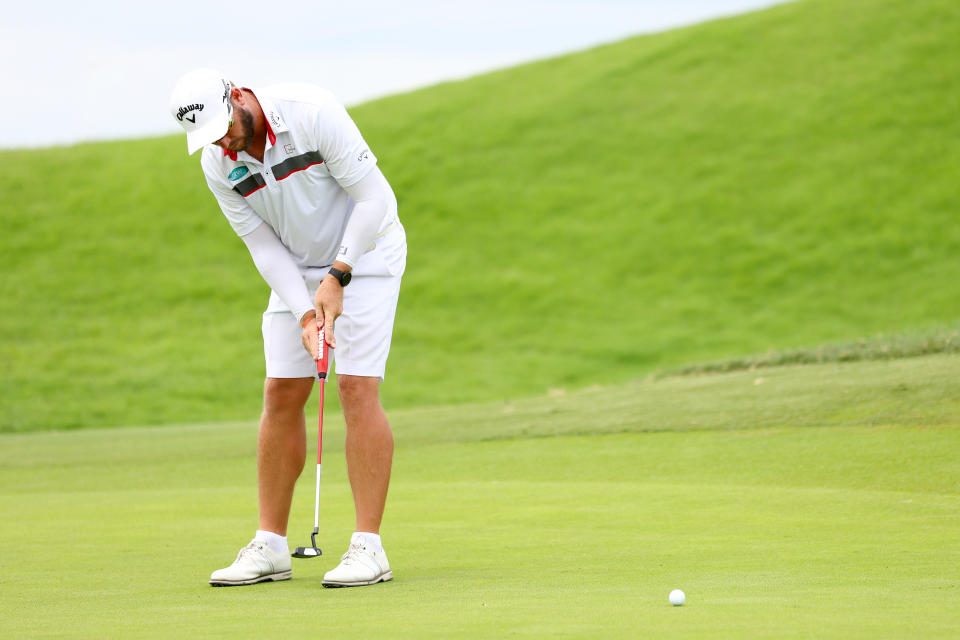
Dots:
pixel 911 391
pixel 919 391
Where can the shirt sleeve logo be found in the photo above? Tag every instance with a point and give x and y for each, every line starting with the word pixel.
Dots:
pixel 238 173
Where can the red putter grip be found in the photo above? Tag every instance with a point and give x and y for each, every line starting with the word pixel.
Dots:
pixel 324 360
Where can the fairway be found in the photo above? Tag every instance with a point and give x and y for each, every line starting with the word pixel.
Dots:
pixel 815 501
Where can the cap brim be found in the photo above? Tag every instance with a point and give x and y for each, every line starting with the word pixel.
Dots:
pixel 208 133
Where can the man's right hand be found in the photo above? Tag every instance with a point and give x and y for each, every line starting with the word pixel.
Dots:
pixel 308 334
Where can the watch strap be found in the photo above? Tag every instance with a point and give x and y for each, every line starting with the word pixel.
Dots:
pixel 343 277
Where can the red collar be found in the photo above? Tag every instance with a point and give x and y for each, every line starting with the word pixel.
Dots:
pixel 270 134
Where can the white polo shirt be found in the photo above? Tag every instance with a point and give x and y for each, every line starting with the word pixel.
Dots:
pixel 313 150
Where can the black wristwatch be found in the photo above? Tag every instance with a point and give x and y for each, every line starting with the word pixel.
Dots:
pixel 343 277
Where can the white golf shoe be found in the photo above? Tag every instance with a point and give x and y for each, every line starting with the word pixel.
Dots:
pixel 360 565
pixel 256 562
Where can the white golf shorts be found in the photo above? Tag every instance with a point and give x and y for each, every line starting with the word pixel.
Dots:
pixel 363 331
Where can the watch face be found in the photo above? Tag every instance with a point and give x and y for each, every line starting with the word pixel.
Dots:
pixel 345 278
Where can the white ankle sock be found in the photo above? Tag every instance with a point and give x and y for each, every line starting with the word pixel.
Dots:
pixel 276 542
pixel 372 540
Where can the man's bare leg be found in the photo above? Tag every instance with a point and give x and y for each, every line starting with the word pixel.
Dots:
pixel 281 448
pixel 369 448
pixel 281 452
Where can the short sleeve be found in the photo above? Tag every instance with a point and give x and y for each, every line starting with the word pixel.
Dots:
pixel 346 154
pixel 238 213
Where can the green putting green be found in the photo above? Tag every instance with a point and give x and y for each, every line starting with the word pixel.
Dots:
pixel 814 501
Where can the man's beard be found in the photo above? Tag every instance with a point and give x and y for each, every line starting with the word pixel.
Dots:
pixel 246 119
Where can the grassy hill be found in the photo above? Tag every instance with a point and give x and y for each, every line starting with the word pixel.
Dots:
pixel 779 179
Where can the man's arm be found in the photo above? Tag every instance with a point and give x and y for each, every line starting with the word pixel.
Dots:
pixel 270 256
pixel 278 269
pixel 374 203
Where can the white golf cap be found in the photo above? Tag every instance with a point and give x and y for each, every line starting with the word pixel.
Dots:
pixel 201 104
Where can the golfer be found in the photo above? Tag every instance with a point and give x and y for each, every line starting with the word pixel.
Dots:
pixel 299 185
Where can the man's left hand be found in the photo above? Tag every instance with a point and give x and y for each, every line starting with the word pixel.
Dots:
pixel 308 334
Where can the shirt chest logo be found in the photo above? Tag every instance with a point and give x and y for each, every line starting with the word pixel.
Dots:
pixel 238 173
pixel 289 149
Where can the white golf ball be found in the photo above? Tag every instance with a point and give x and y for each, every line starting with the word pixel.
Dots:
pixel 677 597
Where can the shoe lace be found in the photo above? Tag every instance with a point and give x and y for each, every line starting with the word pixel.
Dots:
pixel 255 547
pixel 353 553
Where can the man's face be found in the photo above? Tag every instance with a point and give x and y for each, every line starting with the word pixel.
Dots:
pixel 240 133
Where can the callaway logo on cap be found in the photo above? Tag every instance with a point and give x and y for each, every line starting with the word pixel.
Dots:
pixel 183 111
pixel 201 104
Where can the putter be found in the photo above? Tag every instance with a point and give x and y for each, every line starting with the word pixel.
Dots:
pixel 313 550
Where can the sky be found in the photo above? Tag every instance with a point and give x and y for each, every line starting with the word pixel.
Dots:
pixel 78 71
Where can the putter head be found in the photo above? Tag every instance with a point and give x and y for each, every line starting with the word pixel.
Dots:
pixel 309 552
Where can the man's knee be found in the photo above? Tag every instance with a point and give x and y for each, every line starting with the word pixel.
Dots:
pixel 286 394
pixel 358 391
